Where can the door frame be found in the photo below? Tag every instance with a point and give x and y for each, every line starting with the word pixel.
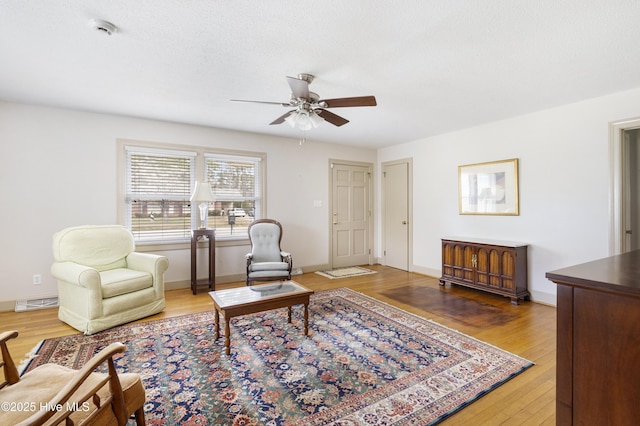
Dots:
pixel 409 163
pixel 369 167
pixel 617 185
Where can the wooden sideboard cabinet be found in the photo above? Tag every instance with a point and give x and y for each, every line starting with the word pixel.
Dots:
pixel 598 341
pixel 495 266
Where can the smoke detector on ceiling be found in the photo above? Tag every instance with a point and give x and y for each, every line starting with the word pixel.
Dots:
pixel 104 26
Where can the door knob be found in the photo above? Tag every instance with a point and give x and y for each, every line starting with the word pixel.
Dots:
pixel 404 222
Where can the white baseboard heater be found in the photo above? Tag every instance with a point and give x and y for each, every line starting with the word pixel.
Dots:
pixel 34 304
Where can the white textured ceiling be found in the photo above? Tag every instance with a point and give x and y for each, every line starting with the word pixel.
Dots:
pixel 434 65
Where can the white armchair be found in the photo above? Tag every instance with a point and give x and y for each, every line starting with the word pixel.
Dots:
pixel 267 262
pixel 102 281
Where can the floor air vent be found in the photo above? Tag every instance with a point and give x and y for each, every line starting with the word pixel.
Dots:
pixel 33 304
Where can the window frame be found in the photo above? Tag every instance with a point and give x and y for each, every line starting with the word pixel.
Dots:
pixel 201 155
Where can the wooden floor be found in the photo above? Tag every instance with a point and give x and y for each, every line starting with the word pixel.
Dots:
pixel 528 330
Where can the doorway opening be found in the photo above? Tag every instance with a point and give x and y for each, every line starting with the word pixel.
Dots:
pixel 624 147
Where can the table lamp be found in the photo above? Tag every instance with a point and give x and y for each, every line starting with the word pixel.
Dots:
pixel 202 194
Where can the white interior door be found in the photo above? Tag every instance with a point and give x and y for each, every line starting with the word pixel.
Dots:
pixel 350 215
pixel 396 235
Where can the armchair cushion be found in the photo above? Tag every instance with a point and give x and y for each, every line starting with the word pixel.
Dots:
pixel 122 281
pixel 268 266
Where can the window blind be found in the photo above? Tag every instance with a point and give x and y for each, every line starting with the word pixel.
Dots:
pixel 158 187
pixel 236 182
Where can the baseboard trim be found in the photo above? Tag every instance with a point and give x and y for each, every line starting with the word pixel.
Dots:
pixel 430 272
pixel 8 305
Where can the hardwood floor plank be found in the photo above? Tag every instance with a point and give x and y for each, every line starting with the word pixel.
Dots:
pixel 527 330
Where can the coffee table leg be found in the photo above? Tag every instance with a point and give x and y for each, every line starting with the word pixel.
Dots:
pixel 306 319
pixel 227 335
pixel 217 323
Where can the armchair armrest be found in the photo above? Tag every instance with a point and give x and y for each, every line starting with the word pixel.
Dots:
pixel 286 257
pixel 74 273
pixel 147 262
pixel 11 375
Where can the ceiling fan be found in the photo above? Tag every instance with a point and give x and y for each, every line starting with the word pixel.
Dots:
pixel 309 110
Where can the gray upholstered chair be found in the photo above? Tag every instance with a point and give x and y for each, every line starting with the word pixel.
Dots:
pixel 267 262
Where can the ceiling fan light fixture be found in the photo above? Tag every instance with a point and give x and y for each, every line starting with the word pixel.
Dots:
pixel 304 120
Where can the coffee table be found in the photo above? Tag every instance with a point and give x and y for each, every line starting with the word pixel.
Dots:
pixel 258 298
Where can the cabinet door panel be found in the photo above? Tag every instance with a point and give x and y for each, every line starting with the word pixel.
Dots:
pixel 482 267
pixel 448 260
pixel 458 256
pixel 469 254
pixel 508 270
pixel 495 268
pixel 489 268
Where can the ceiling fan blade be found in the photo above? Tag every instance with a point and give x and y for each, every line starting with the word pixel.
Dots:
pixel 332 118
pixel 299 88
pixel 280 119
pixel 262 102
pixel 349 102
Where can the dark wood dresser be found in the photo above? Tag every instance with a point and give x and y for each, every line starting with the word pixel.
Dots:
pixel 598 348
pixel 495 266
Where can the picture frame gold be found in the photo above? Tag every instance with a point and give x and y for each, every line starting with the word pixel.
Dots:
pixel 489 188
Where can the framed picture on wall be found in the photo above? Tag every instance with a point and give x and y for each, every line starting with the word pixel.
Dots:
pixel 489 188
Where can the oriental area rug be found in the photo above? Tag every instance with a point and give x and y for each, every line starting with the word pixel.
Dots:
pixel 363 363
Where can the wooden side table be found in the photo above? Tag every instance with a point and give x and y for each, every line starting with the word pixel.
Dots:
pixel 210 282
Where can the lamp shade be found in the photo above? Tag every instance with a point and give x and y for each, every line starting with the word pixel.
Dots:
pixel 304 120
pixel 202 192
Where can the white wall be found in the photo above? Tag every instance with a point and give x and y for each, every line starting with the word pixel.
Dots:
pixel 59 169
pixel 564 185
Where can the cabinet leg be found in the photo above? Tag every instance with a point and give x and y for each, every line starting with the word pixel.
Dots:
pixel 514 301
pixel 442 283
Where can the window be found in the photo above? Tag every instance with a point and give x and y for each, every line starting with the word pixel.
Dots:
pixel 236 185
pixel 158 187
pixel 158 182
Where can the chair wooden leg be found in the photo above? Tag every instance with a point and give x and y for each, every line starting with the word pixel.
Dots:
pixel 140 416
